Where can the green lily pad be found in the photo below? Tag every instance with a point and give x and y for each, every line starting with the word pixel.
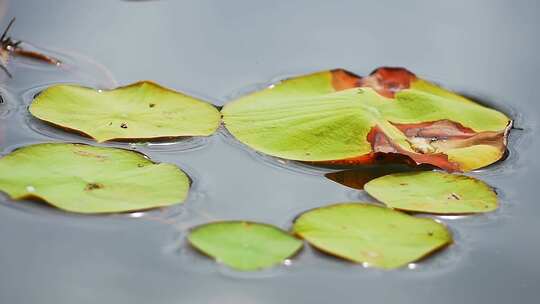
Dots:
pixel 433 192
pixel 336 117
pixel 244 246
pixel 143 110
pixel 86 179
pixel 377 236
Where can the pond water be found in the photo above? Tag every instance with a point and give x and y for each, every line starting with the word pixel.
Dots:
pixel 216 51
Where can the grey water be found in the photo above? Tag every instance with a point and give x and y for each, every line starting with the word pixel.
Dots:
pixel 216 49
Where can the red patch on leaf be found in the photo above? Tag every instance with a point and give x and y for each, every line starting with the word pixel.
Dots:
pixel 388 80
pixel 441 129
pixel 428 140
pixel 342 80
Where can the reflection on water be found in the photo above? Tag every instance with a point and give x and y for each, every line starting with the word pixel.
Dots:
pixel 358 177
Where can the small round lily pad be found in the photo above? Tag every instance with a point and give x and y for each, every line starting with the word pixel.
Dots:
pixel 364 233
pixel 87 179
pixel 143 110
pixel 433 192
pixel 244 246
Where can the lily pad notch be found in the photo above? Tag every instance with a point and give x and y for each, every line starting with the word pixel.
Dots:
pixel 143 110
pixel 87 179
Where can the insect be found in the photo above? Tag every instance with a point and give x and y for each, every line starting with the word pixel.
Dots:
pixel 10 47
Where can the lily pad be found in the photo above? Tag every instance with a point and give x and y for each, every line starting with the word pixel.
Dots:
pixel 86 179
pixel 336 117
pixel 433 192
pixel 373 235
pixel 244 246
pixel 143 110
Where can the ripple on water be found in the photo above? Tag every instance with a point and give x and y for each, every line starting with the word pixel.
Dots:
pixel 74 68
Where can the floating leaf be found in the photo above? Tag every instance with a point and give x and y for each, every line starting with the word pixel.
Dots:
pixel 143 110
pixel 364 233
pixel 243 245
pixel 335 117
pixel 87 179
pixel 433 192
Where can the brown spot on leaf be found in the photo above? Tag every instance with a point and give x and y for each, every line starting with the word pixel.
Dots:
pixel 124 125
pixel 454 196
pixel 90 154
pixel 151 105
pixel 93 186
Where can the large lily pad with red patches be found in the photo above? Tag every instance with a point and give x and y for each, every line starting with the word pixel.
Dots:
pixel 336 117
pixel 143 110
pixel 244 246
pixel 433 192
pixel 364 233
pixel 86 179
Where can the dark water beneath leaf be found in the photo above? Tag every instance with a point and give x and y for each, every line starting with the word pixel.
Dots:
pixel 142 257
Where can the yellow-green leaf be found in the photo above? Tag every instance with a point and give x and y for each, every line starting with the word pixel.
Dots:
pixel 244 246
pixel 336 117
pixel 433 192
pixel 86 179
pixel 377 236
pixel 143 110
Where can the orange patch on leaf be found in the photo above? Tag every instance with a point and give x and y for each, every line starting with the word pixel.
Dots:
pixel 342 80
pixel 428 141
pixel 388 80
